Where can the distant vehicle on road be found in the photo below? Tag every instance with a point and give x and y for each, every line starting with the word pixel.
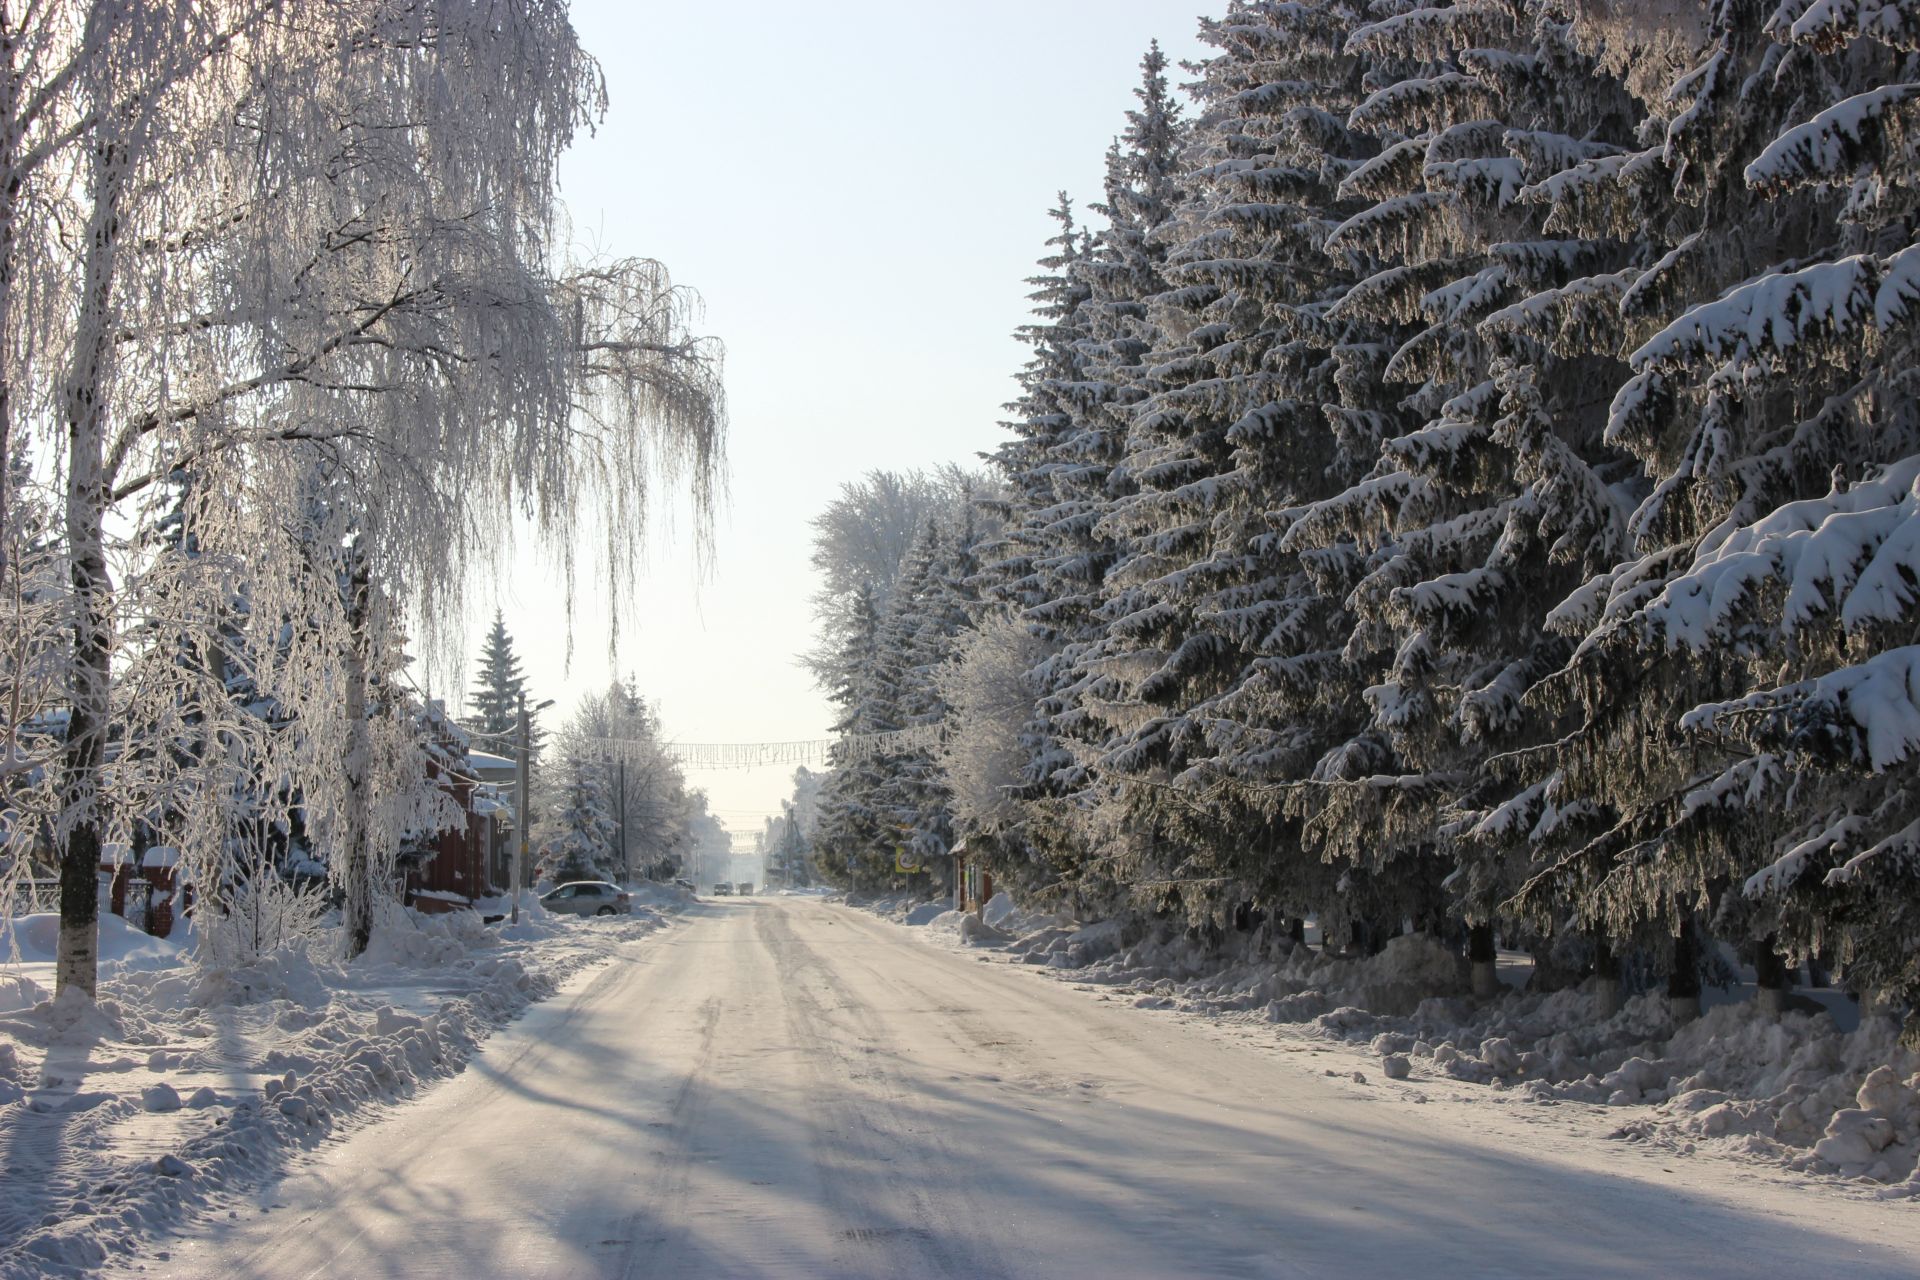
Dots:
pixel 744 887
pixel 722 890
pixel 588 898
pixel 684 883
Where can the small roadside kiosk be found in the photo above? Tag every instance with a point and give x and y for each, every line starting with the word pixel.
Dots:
pixel 972 882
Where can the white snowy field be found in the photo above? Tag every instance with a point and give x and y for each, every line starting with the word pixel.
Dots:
pixel 182 1089
pixel 789 1087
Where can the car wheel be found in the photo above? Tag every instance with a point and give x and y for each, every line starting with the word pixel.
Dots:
pixel 604 911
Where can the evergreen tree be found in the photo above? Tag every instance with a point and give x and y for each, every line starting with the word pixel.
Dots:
pixel 1772 404
pixel 926 625
pixel 1111 333
pixel 1470 475
pixel 855 840
pixel 580 839
pixel 494 703
pixel 1011 575
pixel 1227 433
pixel 1493 503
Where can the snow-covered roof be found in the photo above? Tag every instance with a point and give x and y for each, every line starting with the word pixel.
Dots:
pixel 491 806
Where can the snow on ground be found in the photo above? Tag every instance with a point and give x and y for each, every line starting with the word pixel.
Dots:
pixel 1818 1091
pixel 184 1085
pixel 786 1088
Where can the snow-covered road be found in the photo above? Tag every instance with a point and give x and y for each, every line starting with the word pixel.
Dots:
pixel 785 1087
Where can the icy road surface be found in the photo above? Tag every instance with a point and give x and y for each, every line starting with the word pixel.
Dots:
pixel 784 1087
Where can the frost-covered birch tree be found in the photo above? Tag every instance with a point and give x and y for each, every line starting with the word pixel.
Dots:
pixel 322 240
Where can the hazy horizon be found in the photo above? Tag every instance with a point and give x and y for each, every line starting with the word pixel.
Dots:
pixel 834 151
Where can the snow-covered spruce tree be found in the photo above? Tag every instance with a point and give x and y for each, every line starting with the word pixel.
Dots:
pixel 910 802
pixel 270 267
pixel 1495 505
pixel 1016 573
pixel 1776 410
pixel 192 730
pixel 1747 329
pixel 1089 361
pixel 580 836
pixel 499 687
pixel 1228 436
pixel 931 616
pixel 854 841
pixel 1090 336
pixel 1044 416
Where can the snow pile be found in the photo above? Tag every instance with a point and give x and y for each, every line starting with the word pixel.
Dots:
pixel 1795 1090
pixel 1792 1090
pixel 927 913
pixel 35 939
pixel 892 906
pixel 997 922
pixel 126 1115
pixel 1255 971
pixel 661 896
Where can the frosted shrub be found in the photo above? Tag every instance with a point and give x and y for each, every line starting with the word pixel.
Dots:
pixel 255 917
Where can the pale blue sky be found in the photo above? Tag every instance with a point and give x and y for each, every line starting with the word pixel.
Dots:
pixel 859 190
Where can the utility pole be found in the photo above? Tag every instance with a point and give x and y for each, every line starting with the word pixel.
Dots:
pixel 522 785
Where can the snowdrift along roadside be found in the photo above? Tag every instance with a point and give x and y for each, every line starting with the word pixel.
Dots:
pixel 182 1086
pixel 1794 1091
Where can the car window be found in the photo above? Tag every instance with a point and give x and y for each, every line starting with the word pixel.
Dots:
pixel 592 891
pixel 566 892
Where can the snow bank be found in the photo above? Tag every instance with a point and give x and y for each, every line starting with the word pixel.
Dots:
pixel 125 1115
pixel 1794 1090
pixel 661 896
pixel 36 939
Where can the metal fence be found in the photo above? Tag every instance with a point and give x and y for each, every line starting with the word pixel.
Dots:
pixel 33 896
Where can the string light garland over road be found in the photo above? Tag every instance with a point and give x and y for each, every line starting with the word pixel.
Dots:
pixel 760 755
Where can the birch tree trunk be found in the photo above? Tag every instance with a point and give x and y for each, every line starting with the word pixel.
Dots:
pixel 82 405
pixel 9 212
pixel 357 912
